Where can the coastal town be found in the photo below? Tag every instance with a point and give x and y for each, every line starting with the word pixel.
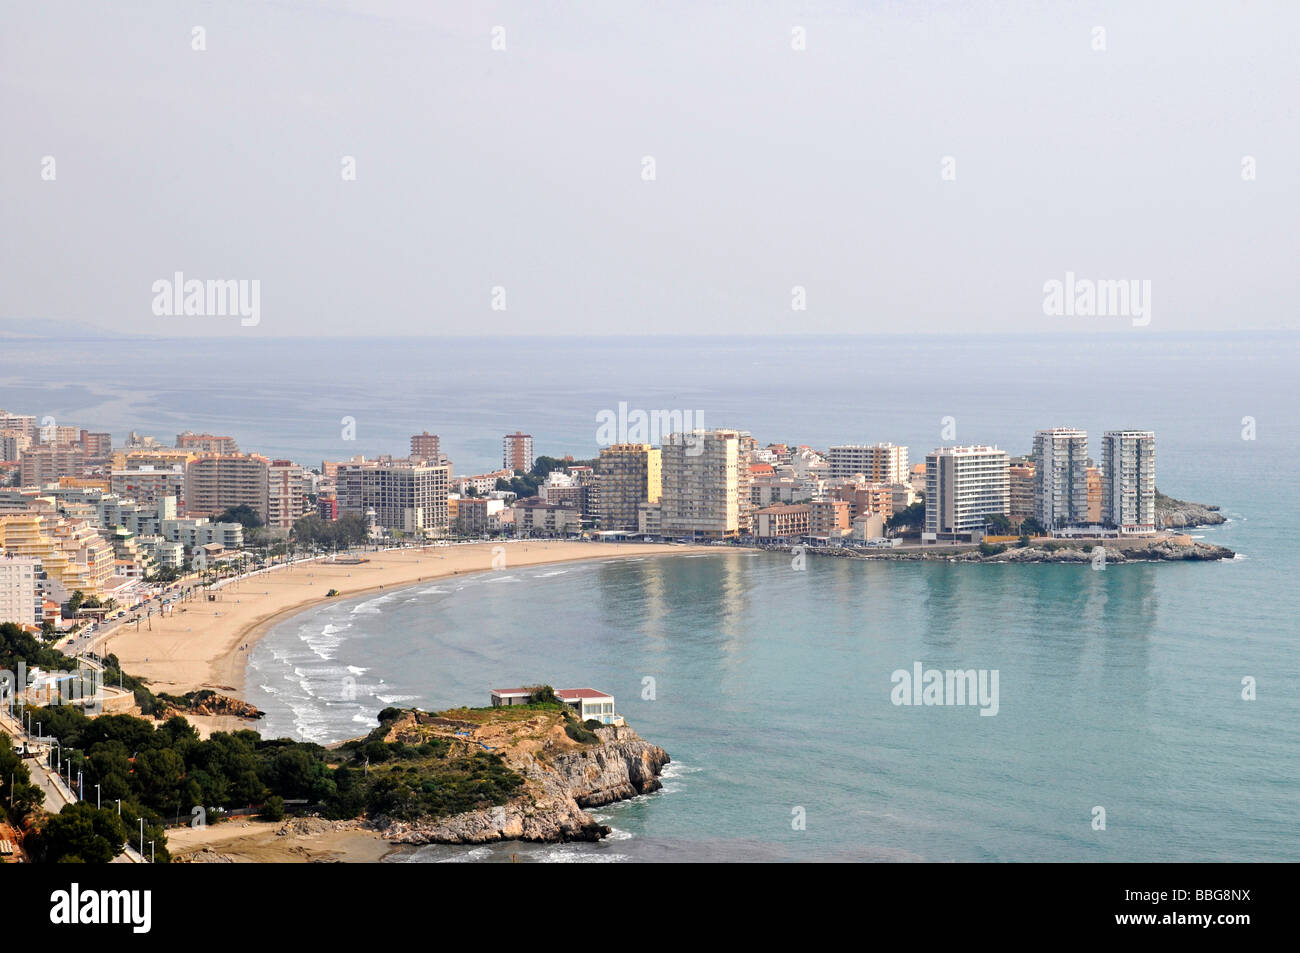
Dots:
pixel 135 577
pixel 91 528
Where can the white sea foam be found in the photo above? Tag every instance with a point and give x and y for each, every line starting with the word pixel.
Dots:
pixel 468 857
pixel 394 699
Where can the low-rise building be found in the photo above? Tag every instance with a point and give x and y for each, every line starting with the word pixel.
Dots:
pixel 784 521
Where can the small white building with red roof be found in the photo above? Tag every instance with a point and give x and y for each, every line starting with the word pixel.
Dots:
pixel 587 703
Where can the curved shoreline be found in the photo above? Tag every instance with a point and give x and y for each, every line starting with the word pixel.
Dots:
pixel 175 658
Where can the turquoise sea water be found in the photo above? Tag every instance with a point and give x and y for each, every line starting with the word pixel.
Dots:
pixel 1119 689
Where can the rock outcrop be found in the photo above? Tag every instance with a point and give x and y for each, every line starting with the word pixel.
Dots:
pixel 207 702
pixel 1179 514
pixel 561 778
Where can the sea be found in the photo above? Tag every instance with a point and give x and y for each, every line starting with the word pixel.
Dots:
pixel 1144 712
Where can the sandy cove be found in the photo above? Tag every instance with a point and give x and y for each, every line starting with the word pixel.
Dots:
pixel 205 644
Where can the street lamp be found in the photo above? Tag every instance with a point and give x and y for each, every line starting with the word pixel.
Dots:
pixel 119 807
pixel 151 853
pixel 142 837
pixel 98 803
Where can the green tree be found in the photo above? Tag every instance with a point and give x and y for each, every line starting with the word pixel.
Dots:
pixel 998 524
pixel 243 514
pixel 273 808
pixel 909 519
pixel 81 832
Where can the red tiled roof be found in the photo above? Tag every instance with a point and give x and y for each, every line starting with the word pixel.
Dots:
pixel 576 693
pixel 510 691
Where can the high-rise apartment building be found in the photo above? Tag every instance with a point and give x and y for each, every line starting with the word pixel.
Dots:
pixel 148 484
pixel 408 497
pixel 20 593
pixel 1128 483
pixel 286 499
pixel 216 483
pixel 627 475
pixel 1020 479
pixel 517 451
pixel 206 443
pixel 878 463
pixel 702 485
pixel 1094 495
pixel 20 423
pixel 426 446
pixel 1060 477
pixel 964 486
pixel 45 462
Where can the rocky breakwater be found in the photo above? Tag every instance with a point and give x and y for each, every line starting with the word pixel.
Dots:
pixel 561 776
pixel 1156 549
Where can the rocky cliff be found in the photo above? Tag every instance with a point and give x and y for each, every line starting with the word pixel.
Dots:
pixel 561 778
pixel 1179 514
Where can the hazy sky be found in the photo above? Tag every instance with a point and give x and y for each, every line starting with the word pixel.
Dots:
pixel 774 167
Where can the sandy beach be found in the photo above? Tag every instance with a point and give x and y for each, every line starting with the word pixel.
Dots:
pixel 301 841
pixel 204 644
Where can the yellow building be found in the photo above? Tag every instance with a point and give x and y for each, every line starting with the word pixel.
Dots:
pixel 627 475
pixel 72 554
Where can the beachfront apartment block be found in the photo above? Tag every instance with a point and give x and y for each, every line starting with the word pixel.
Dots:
pixel 1060 477
pixel 286 496
pixel 964 486
pixel 877 463
pixel 702 486
pixel 409 497
pixel 1020 480
pixel 476 515
pixel 783 521
pixel 535 516
pixel 20 590
pixel 1128 480
pixel 517 451
pixel 627 475
pixel 216 483
pixel 829 518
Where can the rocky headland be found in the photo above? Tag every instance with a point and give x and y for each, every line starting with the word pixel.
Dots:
pixel 1179 514
pixel 561 775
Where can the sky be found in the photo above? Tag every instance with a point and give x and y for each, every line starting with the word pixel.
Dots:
pixel 826 168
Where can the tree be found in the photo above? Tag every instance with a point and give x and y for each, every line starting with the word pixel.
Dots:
pixel 75 600
pixel 912 518
pixel 1031 527
pixel 81 832
pixel 273 809
pixel 243 514
pixel 998 524
pixel 21 797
